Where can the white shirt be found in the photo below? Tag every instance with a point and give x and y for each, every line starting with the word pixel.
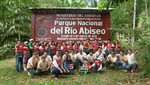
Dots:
pixel 114 59
pixel 91 58
pixel 103 48
pixel 100 55
pixel 48 58
pixel 73 56
pixel 81 56
pixel 55 57
pixel 131 59
pixel 81 47
pixel 55 64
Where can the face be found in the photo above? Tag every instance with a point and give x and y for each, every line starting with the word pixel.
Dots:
pixel 116 41
pixel 58 44
pixel 86 62
pixel 45 53
pixel 66 53
pixel 95 41
pixel 26 44
pixel 108 41
pixel 88 41
pixel 63 43
pixel 31 41
pixel 80 52
pixel 103 43
pixel 80 43
pixel 112 55
pixel 37 44
pixel 57 52
pixel 97 61
pixel 19 43
pixel 43 59
pixel 129 51
pixel 91 53
pixel 69 58
pixel 99 49
pixel 59 58
pixel 121 53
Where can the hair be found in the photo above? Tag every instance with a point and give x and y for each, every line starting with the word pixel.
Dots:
pixel 121 51
pixel 130 50
pixel 53 42
pixel 68 60
pixel 66 51
pixel 99 48
pixel 117 41
pixel 46 43
pixel 46 51
pixel 88 39
pixel 109 39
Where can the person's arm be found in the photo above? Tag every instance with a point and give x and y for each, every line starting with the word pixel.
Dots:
pixel 56 65
pixel 66 65
pixel 38 66
pixel 49 65
pixel 135 52
pixel 100 67
pixel 30 46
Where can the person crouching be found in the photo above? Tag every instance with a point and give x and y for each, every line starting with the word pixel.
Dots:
pixel 57 67
pixel 97 65
pixel 43 66
pixel 68 65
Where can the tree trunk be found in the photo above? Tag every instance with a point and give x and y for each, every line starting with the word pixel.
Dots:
pixel 134 17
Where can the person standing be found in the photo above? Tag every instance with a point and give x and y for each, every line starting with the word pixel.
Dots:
pixel 95 46
pixel 26 52
pixel 132 63
pixel 19 56
pixel 110 47
pixel 31 46
pixel 41 48
pixel 117 47
pixel 87 46
pixel 36 47
pixel 48 49
pixel 53 48
pixel 103 46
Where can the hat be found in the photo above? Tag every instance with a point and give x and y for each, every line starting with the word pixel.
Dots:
pixel 31 40
pixel 112 53
pixel 25 42
pixel 34 53
pixel 43 56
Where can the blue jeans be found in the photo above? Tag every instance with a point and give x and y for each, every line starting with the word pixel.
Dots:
pixel 119 64
pixel 95 68
pixel 19 62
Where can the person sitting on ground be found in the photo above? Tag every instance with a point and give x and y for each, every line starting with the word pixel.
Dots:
pixel 86 64
pixel 32 64
pixel 111 60
pixel 122 60
pixel 97 65
pixel 48 57
pixel 85 67
pixel 81 56
pixel 91 57
pixel 57 67
pixel 56 56
pixel 132 63
pixel 110 47
pixel 43 66
pixel 68 65
pixel 65 55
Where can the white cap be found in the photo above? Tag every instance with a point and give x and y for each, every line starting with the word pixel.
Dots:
pixel 25 42
pixel 98 58
pixel 31 39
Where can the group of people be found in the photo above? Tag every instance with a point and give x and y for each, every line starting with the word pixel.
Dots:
pixel 62 58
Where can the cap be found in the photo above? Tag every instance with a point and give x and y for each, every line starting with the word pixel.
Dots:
pixel 31 39
pixel 43 56
pixel 25 42
pixel 34 53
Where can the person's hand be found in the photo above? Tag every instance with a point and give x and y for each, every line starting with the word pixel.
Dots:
pixel 68 71
pixel 64 71
pixel 47 69
pixel 97 70
pixel 61 71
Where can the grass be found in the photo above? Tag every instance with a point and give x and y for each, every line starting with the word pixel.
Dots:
pixel 8 76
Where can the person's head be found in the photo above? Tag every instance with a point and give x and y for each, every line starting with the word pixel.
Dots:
pixel 64 43
pixel 129 51
pixel 108 40
pixel 26 43
pixel 121 52
pixel 18 42
pixel 73 51
pixel 57 53
pixel 41 43
pixel 91 53
pixel 43 58
pixel 37 44
pixel 88 40
pixel 47 44
pixel 70 43
pixel 66 52
pixel 103 43
pixel 75 42
pixel 113 54
pixel 80 51
pixel 95 41
pixel 81 43
pixel 68 58
pixel 31 41
pixel 59 57
pixel 98 60
pixel 99 49
pixel 35 54
pixel 58 44
pixel 53 43
pixel 86 61
pixel 45 53
pixel 116 41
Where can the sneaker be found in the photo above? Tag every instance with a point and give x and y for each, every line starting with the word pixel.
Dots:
pixel 25 69
pixel 104 68
pixel 29 74
pixel 132 71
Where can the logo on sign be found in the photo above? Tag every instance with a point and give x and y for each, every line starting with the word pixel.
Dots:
pixel 42 32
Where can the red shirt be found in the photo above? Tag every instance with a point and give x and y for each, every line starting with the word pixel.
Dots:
pixel 64 47
pixel 18 48
pixel 53 50
pixel 109 46
pixel 26 49
pixel 116 46
pixel 76 48
pixel 98 64
pixel 87 44
pixel 95 46
pixel 36 49
pixel 88 64
pixel 69 47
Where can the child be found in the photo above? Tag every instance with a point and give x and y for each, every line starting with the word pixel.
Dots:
pixel 68 65
pixel 97 65
pixel 85 67
pixel 26 52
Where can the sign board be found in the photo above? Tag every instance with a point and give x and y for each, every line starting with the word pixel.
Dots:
pixel 60 24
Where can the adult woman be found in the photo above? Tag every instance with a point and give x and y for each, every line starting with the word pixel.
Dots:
pixel 117 47
pixel 68 65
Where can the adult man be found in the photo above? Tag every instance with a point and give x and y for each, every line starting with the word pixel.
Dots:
pixel 19 56
pixel 80 58
pixel 132 63
pixel 56 56
pixel 65 55
pixel 73 55
pixel 32 64
pixel 48 57
pixel 31 46
pixel 43 66
pixel 111 60
pixel 122 59
pixel 91 57
pixel 88 46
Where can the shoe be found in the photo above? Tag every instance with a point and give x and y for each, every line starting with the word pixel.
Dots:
pixel 29 74
pixel 25 69
pixel 56 78
pixel 104 68
pixel 132 71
